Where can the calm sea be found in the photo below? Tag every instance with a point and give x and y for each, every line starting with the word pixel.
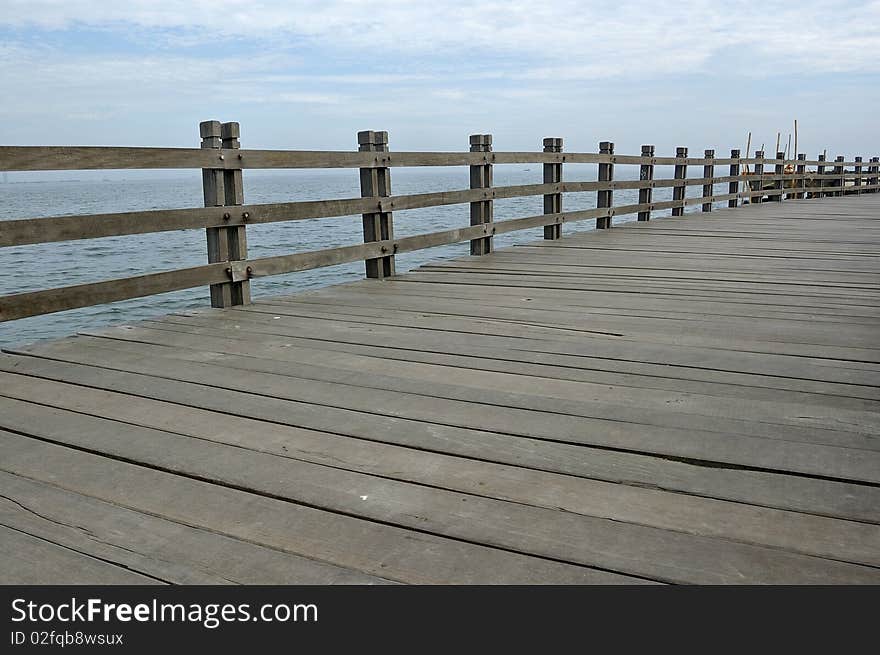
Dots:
pixel 59 264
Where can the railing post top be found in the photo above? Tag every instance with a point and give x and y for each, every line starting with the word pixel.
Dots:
pixel 230 130
pixel 734 153
pixel 606 147
pixel 648 151
pixel 372 138
pixel 681 152
pixel 759 154
pixel 209 129
pixel 481 142
pixel 839 158
pixel 875 158
pixel 780 154
pixel 802 155
pixel 708 154
pixel 373 141
pixel 859 159
pixel 552 144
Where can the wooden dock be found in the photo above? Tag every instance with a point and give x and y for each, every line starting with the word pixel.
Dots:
pixel 690 400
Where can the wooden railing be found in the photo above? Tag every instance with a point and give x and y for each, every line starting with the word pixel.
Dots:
pixel 225 216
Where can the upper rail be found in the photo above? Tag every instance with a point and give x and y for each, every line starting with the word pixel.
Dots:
pixel 80 158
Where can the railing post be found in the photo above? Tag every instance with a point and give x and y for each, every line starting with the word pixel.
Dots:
pixel 678 192
pixel 553 201
pixel 376 182
pixel 839 171
pixel 820 173
pixel 708 172
pixel 858 180
pixel 605 198
pixel 759 171
pixel 481 178
pixel 220 188
pixel 800 176
pixel 779 172
pixel 733 187
pixel 646 174
pixel 233 187
pixel 875 169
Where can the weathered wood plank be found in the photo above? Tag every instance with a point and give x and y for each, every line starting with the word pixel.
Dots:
pixel 581 370
pixel 164 550
pixel 691 411
pixel 756 487
pixel 30 560
pixel 563 536
pixel 42 158
pixel 757 525
pixel 548 352
pixel 358 544
pixel 315 361
pixel 34 303
pixel 588 302
pixel 762 452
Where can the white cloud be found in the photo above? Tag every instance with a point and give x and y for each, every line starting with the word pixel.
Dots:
pixel 307 98
pixel 326 68
pixel 572 38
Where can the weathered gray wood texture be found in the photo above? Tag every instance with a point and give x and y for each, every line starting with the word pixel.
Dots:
pixel 65 158
pixel 686 400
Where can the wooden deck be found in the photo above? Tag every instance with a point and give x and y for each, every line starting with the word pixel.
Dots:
pixel 690 400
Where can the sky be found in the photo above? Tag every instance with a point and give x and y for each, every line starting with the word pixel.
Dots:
pixel 310 74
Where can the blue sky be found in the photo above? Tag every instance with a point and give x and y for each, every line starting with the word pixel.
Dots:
pixel 311 74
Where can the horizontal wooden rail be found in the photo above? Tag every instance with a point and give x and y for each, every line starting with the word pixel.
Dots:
pixel 34 303
pixel 66 158
pixel 26 231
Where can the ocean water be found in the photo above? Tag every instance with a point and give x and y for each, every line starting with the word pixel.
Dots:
pixel 51 265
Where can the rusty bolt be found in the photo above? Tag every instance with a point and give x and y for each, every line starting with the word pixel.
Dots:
pixel 227 216
pixel 245 216
pixel 249 271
